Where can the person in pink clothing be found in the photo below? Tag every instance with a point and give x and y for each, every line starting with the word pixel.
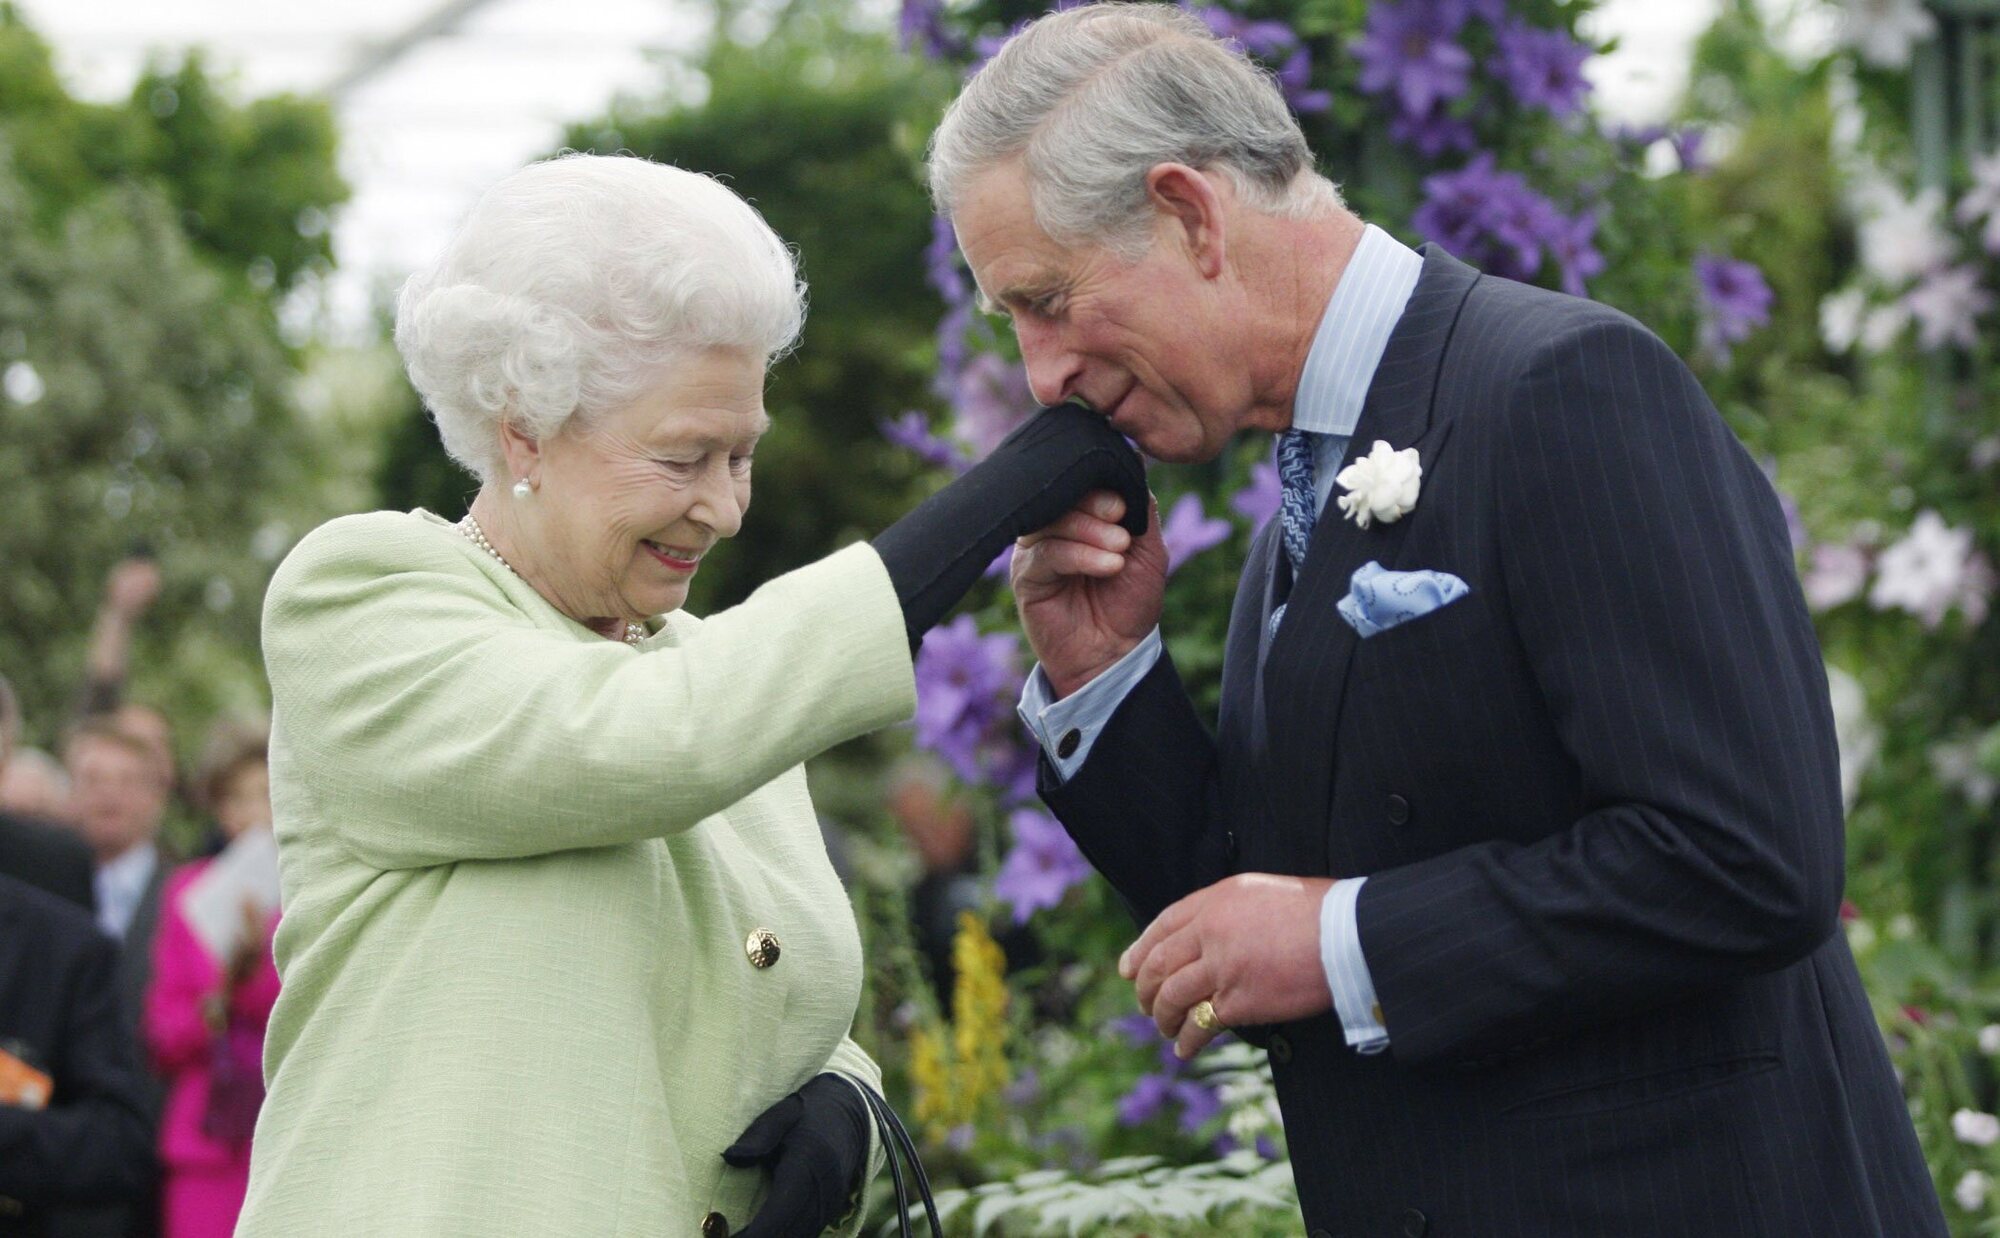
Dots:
pixel 205 1017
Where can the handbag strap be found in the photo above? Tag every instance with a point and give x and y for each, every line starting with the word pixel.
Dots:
pixel 889 1150
pixel 895 1139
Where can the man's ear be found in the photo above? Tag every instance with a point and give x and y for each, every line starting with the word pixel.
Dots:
pixel 1190 199
pixel 522 452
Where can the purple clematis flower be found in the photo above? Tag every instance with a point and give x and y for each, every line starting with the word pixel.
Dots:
pixel 1544 68
pixel 912 432
pixel 941 266
pixel 1265 40
pixel 1198 1101
pixel 922 26
pixel 1295 80
pixel 1575 250
pixel 1139 1029
pixel 1041 867
pixel 1274 43
pixel 992 399
pixel 1492 12
pixel 1188 530
pixel 1435 134
pixel 1260 500
pixel 1492 219
pixel 1409 51
pixel 1735 301
pixel 1638 137
pixel 1688 142
pixel 967 684
pixel 1145 1099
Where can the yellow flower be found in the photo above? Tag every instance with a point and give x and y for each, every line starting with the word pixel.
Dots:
pixel 953 1088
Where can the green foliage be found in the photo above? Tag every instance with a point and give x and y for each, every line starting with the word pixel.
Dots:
pixel 158 419
pixel 251 183
pixel 148 404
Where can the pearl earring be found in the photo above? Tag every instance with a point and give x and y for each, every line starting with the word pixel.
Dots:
pixel 522 490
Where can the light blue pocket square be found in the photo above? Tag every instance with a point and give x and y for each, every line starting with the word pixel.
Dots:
pixel 1380 599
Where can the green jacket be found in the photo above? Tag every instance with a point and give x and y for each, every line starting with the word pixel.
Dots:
pixel 521 863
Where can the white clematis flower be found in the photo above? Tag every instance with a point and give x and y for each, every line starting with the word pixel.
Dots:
pixel 1903 238
pixel 1947 306
pixel 1840 317
pixel 1886 32
pixel 1981 1130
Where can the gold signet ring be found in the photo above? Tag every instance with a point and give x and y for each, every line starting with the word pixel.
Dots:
pixel 1204 1018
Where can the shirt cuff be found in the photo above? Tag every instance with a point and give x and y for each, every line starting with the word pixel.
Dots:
pixel 1069 728
pixel 1347 970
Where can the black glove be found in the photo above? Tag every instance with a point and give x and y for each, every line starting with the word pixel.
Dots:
pixel 1037 473
pixel 814 1143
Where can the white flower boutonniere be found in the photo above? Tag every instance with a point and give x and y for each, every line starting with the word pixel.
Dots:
pixel 1381 485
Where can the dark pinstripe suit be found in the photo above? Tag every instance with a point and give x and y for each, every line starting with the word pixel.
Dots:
pixel 1597 801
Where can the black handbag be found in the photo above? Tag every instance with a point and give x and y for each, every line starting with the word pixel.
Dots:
pixel 896 1139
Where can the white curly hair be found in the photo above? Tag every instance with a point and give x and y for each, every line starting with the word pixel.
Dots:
pixel 571 288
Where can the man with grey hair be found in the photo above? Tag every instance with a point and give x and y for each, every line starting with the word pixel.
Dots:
pixel 36 851
pixel 1519 841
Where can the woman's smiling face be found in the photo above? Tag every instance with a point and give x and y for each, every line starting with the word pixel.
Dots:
pixel 625 509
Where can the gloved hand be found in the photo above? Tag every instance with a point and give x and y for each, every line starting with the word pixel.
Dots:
pixel 1043 469
pixel 814 1144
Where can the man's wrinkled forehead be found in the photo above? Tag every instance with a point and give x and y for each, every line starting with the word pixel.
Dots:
pixel 1013 262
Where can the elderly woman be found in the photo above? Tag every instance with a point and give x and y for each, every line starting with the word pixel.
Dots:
pixel 562 952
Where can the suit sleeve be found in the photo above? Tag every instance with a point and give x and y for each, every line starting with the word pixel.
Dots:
pixel 443 725
pixel 94 1143
pixel 1650 581
pixel 1145 809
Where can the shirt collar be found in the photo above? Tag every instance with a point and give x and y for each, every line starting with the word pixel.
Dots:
pixel 1354 332
pixel 129 873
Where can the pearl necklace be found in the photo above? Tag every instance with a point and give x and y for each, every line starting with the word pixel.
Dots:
pixel 634 632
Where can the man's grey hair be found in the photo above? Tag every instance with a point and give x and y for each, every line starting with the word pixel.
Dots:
pixel 1094 98
pixel 572 288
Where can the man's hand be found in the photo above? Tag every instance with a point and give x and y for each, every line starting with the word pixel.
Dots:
pixel 131 587
pixel 1087 591
pixel 1248 944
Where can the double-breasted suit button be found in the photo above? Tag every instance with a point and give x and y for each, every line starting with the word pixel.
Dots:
pixel 1066 746
pixel 715 1225
pixel 1281 1048
pixel 1415 1224
pixel 762 947
pixel 1399 810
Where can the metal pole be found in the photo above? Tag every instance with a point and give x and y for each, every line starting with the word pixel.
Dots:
pixel 375 58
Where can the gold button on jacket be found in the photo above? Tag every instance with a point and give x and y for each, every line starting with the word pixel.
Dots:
pixel 762 948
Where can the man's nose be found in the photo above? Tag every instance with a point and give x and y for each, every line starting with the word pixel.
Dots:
pixel 1053 368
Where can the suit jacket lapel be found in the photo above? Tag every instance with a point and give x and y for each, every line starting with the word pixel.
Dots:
pixel 1305 673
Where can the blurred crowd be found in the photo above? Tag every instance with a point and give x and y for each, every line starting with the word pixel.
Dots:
pixel 132 1014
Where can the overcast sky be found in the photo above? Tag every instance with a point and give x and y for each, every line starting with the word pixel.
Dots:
pixel 422 138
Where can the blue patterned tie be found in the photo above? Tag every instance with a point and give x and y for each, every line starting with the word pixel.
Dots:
pixel 1299 507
